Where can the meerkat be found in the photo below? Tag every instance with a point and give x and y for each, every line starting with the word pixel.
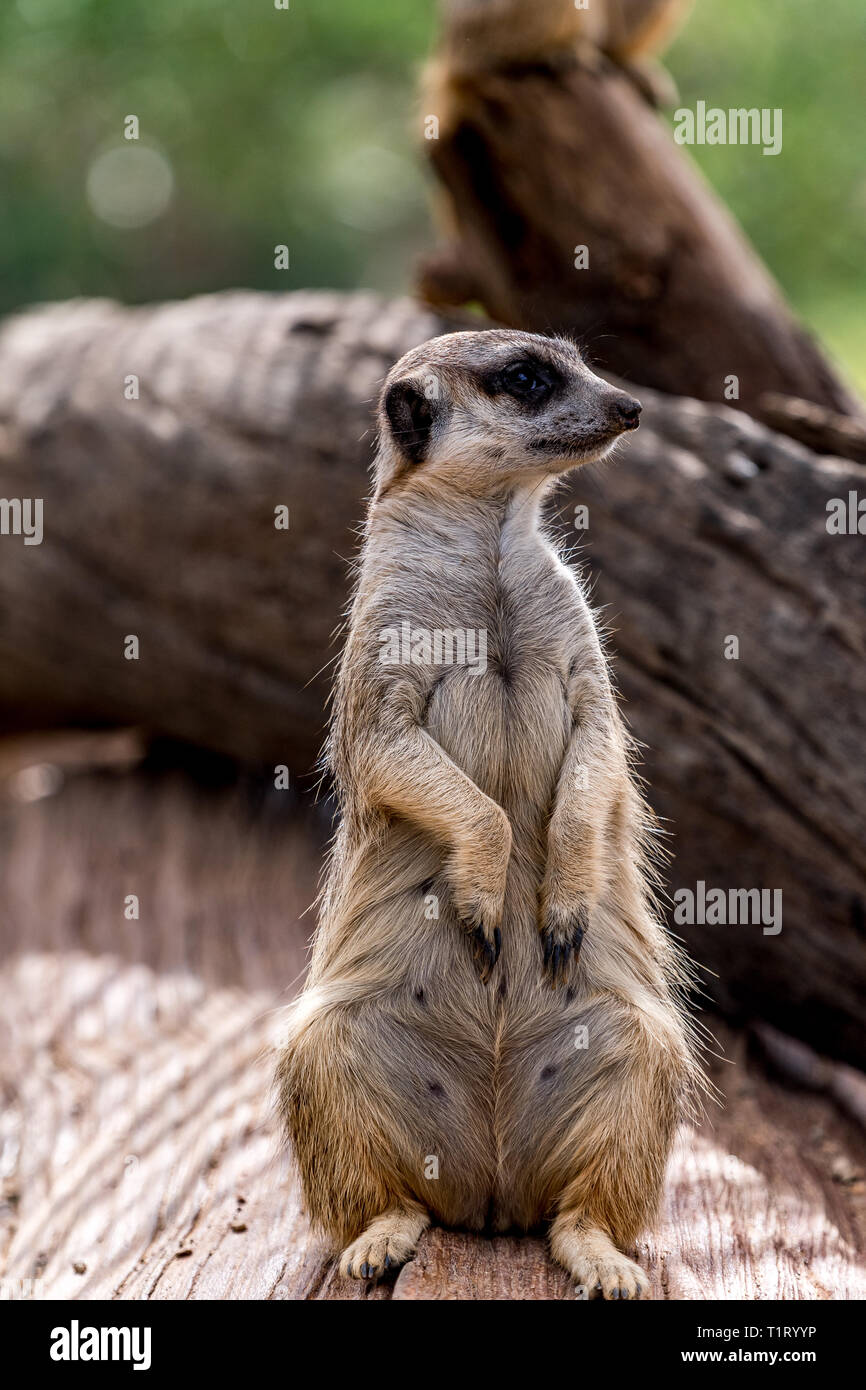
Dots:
pixel 492 1035
pixel 483 39
pixel 481 35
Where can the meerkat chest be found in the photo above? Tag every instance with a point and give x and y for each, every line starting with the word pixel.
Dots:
pixel 504 715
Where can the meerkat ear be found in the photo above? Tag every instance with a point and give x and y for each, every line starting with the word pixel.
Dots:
pixel 410 413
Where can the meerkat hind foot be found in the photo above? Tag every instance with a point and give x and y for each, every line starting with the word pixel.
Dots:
pixel 595 1264
pixel 387 1243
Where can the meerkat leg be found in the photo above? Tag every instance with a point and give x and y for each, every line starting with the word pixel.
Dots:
pixel 415 778
pixel 387 1243
pixel 384 1107
pixel 574 875
pixel 343 1139
pixel 615 1148
pixel 598 1269
pixel 602 1119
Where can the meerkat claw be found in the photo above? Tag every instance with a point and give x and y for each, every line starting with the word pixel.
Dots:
pixel 485 950
pixel 562 938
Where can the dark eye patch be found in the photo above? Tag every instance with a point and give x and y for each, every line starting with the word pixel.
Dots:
pixel 527 380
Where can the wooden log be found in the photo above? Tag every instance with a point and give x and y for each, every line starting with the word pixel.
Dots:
pixel 825 431
pixel 541 153
pixel 797 1063
pixel 141 1156
pixel 159 512
pixel 159 522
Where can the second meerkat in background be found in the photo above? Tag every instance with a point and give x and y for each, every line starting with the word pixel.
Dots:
pixel 492 1034
pixel 484 34
pixel 486 45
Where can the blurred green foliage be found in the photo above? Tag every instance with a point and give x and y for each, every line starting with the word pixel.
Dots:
pixel 300 127
pixel 805 209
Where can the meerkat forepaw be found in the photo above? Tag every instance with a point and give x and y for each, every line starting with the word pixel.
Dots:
pixel 479 909
pixel 562 932
pixel 485 949
pixel 386 1244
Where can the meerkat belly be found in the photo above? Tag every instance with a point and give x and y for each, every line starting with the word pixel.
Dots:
pixel 435 1029
pixel 510 737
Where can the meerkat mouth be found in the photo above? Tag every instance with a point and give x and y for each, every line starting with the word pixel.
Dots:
pixel 578 450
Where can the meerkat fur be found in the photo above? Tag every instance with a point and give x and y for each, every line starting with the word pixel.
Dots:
pixel 489 35
pixel 493 1033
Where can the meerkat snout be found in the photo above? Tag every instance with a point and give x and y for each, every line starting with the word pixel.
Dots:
pixel 616 413
pixel 629 412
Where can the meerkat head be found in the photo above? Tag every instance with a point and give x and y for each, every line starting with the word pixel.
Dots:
pixel 485 411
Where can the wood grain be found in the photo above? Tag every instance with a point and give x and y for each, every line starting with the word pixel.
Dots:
pixel 138 1146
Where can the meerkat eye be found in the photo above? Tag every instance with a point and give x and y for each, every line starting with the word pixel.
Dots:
pixel 527 381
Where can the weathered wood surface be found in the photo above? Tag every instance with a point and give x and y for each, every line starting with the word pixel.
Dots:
pixel 159 522
pixel 138 1147
pixel 537 157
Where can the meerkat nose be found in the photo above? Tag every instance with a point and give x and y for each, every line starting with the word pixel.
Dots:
pixel 629 412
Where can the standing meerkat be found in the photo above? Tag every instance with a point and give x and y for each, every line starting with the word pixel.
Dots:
pixel 491 1035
